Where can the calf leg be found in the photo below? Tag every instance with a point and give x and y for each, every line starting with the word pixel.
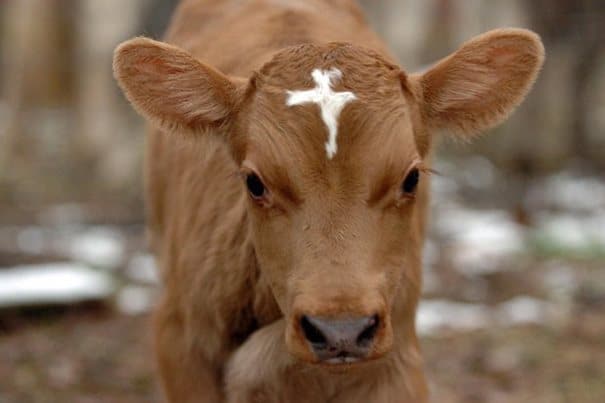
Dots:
pixel 187 376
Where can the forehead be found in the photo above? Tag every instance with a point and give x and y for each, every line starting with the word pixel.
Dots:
pixel 370 75
pixel 373 124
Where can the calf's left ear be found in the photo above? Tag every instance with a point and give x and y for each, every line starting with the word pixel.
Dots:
pixel 480 84
pixel 172 89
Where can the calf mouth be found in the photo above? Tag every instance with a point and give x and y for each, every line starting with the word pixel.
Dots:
pixel 346 363
pixel 336 358
pixel 342 359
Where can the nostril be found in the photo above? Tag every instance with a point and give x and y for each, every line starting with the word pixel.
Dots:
pixel 367 335
pixel 312 334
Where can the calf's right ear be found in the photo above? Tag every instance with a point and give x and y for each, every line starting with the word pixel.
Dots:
pixel 170 88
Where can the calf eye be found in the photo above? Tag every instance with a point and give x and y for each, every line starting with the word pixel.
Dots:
pixel 255 186
pixel 410 183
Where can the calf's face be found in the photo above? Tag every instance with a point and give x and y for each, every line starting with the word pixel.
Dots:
pixel 332 142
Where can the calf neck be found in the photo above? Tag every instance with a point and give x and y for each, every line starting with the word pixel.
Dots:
pixel 287 189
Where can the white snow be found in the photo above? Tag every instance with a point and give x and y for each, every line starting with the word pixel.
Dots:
pixel 566 191
pixel 435 316
pixel 524 310
pixel 134 300
pixel 32 240
pixel 480 241
pixel 97 246
pixel 142 269
pixel 54 283
pixel 572 231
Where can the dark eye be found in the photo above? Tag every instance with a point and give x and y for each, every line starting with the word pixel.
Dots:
pixel 255 186
pixel 410 182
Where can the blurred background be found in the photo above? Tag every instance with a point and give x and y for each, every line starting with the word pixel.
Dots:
pixel 514 293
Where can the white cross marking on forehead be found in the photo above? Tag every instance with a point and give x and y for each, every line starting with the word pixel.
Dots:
pixel 330 102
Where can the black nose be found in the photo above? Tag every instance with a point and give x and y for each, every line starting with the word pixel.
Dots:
pixel 340 340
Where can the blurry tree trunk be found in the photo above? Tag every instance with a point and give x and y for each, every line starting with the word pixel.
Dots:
pixel 585 70
pixel 404 24
pixel 574 30
pixel 34 70
pixel 157 16
pixel 104 136
pixel 14 38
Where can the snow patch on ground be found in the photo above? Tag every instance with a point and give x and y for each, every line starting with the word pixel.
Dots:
pixel 436 315
pixel 142 269
pixel 97 246
pixel 439 315
pixel 134 300
pixel 479 241
pixel 572 231
pixel 569 192
pixel 53 283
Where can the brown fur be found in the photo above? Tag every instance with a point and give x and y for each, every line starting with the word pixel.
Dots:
pixel 332 237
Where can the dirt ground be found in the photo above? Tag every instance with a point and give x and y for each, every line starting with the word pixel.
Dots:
pixel 90 354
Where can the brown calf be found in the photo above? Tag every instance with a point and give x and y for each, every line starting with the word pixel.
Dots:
pixel 287 188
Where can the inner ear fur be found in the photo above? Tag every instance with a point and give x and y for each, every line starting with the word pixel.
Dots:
pixel 479 85
pixel 170 88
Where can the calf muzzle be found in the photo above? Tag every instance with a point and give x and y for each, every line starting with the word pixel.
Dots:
pixel 339 341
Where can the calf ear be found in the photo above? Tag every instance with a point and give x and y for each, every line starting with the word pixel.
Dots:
pixel 479 85
pixel 170 88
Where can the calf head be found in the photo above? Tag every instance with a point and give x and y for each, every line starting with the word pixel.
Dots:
pixel 332 142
